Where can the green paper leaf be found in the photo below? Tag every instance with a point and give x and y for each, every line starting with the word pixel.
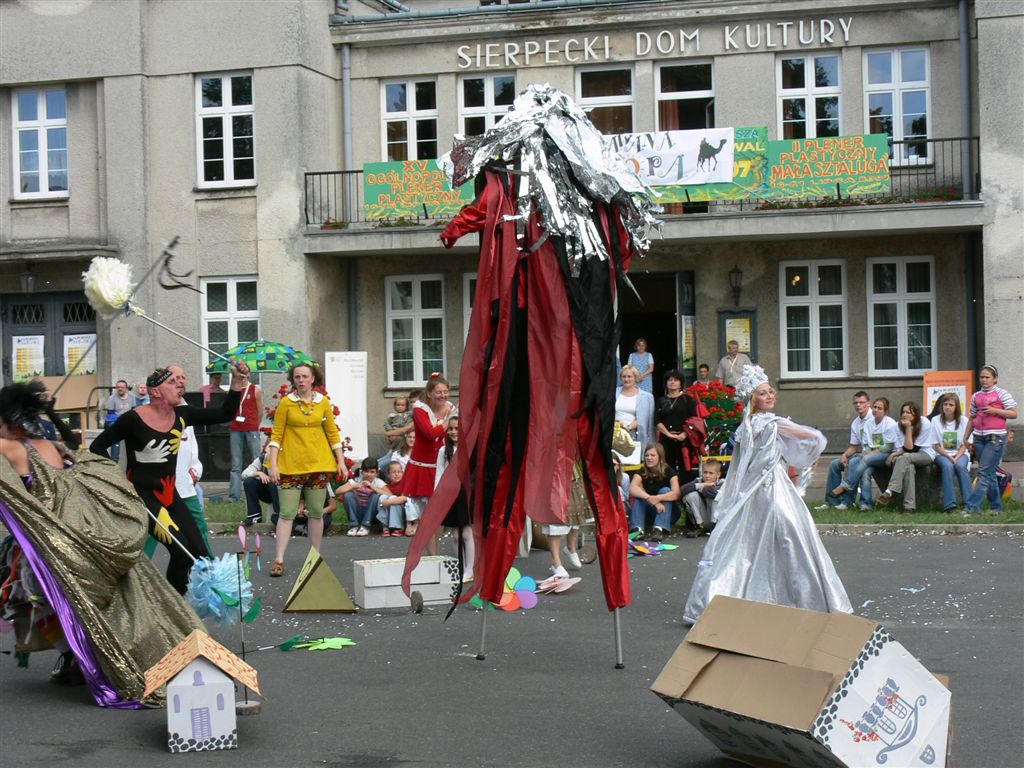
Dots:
pixel 669 547
pixel 228 599
pixel 327 644
pixel 254 611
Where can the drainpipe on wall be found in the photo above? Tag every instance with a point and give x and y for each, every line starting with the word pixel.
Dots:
pixel 966 161
pixel 348 194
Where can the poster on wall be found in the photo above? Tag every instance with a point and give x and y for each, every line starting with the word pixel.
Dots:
pixel 411 189
pixel 79 350
pixel 667 158
pixel 855 165
pixel 689 345
pixel 345 378
pixel 938 383
pixel 738 329
pixel 28 359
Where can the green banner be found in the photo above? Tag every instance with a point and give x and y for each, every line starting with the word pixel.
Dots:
pixel 411 189
pixel 802 168
pixel 795 169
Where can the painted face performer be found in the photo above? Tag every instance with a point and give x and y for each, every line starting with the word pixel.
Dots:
pixel 560 218
pixel 76 573
pixel 765 546
pixel 152 435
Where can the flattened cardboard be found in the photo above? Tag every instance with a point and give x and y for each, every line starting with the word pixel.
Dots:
pixel 776 686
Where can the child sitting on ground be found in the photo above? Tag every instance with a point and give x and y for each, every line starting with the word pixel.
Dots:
pixel 391 505
pixel 361 496
pixel 699 499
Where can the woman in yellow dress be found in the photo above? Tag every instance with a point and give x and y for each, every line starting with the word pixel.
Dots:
pixel 305 450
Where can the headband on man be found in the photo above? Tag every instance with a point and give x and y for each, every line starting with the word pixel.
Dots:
pixel 158 377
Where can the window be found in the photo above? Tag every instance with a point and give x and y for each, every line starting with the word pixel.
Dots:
pixel 468 294
pixel 813 318
pixel 686 97
pixel 607 97
pixel 410 120
pixel 40 143
pixel 809 91
pixel 224 130
pixel 415 328
pixel 896 100
pixel 231 313
pixel 484 100
pixel 901 315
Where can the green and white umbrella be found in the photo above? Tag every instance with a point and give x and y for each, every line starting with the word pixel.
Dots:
pixel 261 356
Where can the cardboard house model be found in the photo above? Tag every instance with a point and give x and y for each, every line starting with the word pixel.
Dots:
pixel 776 686
pixel 200 693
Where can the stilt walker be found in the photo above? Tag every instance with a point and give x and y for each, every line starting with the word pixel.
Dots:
pixel 561 216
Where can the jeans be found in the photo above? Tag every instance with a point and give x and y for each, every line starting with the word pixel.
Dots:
pixel 255 492
pixel 641 507
pixel 360 515
pixel 835 479
pixel 963 474
pixel 239 441
pixel 392 516
pixel 989 449
pixel 869 462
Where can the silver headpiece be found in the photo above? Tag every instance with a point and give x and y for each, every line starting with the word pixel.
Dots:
pixel 753 377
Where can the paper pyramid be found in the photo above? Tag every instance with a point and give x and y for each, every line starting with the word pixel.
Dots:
pixel 318 589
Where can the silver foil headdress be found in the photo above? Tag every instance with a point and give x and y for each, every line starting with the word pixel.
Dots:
pixel 562 163
pixel 753 377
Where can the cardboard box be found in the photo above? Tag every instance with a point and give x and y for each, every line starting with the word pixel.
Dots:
pixel 777 686
pixel 379 582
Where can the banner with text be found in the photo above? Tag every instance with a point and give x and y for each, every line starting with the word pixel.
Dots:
pixel 669 158
pixel 855 165
pixel 411 189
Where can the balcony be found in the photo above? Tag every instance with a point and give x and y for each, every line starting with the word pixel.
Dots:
pixel 930 178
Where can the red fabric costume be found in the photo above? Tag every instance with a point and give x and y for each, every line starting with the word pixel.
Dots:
pixel 536 389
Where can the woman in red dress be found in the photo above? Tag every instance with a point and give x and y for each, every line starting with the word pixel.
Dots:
pixel 430 419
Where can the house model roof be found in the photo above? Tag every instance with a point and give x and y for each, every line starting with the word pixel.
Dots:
pixel 192 647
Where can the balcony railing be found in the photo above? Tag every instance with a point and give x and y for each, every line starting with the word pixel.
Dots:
pixel 923 170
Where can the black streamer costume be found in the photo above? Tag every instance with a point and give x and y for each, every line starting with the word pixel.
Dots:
pixel 152 461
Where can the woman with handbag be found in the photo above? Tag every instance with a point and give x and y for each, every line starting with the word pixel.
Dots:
pixel 634 411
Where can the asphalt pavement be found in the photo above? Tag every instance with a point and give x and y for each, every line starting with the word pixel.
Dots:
pixel 412 693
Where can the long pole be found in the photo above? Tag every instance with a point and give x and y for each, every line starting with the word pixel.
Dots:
pixel 186 338
pixel 618 642
pixel 483 634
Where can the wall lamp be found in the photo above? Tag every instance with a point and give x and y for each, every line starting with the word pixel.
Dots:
pixel 736 281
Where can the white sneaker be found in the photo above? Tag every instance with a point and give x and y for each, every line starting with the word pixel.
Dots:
pixel 352 531
pixel 841 505
pixel 559 572
pixel 820 507
pixel 362 531
pixel 572 559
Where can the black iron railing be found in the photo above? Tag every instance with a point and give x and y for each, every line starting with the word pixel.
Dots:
pixel 922 170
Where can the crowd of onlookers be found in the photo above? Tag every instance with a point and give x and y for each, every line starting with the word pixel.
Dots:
pixel 888 451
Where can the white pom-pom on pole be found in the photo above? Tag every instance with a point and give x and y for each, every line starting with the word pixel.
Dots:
pixel 108 285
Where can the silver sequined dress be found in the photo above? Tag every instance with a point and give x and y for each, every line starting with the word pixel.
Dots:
pixel 765 546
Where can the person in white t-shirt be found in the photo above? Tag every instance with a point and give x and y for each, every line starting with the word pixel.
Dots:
pixel 952 436
pixel 839 492
pixel 917 450
pixel 880 437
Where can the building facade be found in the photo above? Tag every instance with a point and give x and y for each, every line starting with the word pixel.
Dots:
pixel 250 147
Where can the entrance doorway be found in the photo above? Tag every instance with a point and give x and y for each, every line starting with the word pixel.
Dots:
pixel 654 319
pixel 43 320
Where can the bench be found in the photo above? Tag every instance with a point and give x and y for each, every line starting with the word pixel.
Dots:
pixel 929 486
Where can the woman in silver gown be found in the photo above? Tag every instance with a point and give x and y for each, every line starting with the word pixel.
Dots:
pixel 764 546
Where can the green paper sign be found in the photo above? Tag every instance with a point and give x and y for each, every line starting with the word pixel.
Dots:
pixel 802 168
pixel 411 189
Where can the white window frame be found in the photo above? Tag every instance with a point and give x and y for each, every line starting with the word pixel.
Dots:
pixel 589 103
pixel 660 96
pixel 491 112
pixel 226 112
pixel 901 298
pixel 232 315
pixel 896 88
pixel 41 125
pixel 416 314
pixel 468 294
pixel 409 117
pixel 813 301
pixel 810 93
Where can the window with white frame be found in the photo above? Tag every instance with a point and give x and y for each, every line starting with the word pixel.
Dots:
pixel 230 314
pixel 484 100
pixel 415 328
pixel 40 142
pixel 225 128
pixel 896 100
pixel 901 315
pixel 468 294
pixel 813 318
pixel 410 119
pixel 686 96
pixel 809 96
pixel 607 95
